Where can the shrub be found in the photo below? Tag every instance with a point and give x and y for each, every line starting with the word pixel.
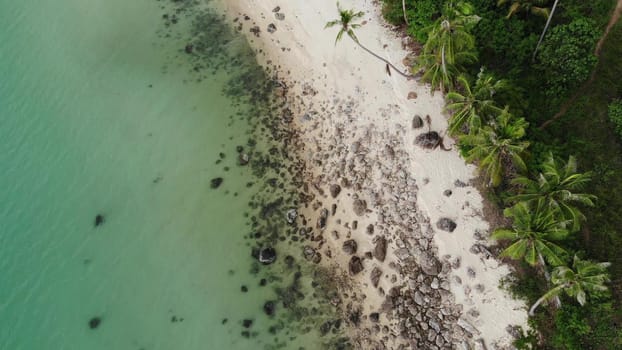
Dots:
pixel 615 115
pixel 566 56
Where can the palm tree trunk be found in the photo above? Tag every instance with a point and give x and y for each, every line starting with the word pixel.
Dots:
pixel 537 303
pixel 546 27
pixel 547 276
pixel 404 11
pixel 383 60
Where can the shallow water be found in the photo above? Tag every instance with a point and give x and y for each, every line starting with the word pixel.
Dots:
pixel 102 112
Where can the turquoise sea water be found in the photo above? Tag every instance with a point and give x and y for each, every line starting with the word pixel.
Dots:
pixel 103 112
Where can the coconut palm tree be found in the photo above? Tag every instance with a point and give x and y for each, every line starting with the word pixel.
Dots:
pixel 584 278
pixel 534 231
pixel 557 186
pixel 535 7
pixel 346 17
pixel 546 27
pixel 498 147
pixel 472 105
pixel 449 46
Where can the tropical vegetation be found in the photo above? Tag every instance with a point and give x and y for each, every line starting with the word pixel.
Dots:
pixel 555 76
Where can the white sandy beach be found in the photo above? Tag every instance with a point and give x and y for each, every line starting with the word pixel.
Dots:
pixel 356 125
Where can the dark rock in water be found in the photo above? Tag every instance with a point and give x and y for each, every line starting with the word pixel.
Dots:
pixel 446 224
pixel 428 140
pixel 355 265
pixel 374 317
pixel 355 317
pixel 359 206
pixel 311 254
pixel 267 255
pixel 95 322
pixel 335 190
pixel 243 159
pixel 417 122
pixel 99 219
pixel 325 328
pixel 247 323
pixel 291 216
pixel 268 308
pixel 271 28
pixel 189 48
pixel 216 182
pixel 289 261
pixel 349 246
pixel 375 275
pixel 380 249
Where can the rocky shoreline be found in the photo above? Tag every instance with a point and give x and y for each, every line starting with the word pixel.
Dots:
pixel 381 258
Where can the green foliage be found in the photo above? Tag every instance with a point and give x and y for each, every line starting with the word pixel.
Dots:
pixel 474 104
pixel 534 231
pixel 615 115
pixel 557 185
pixel 566 57
pixel 392 11
pixel 421 15
pixel 498 147
pixel 449 47
pixel 588 327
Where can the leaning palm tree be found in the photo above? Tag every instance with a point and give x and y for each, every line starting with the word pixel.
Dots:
pixel 449 46
pixel 534 231
pixel 474 104
pixel 584 278
pixel 498 147
pixel 557 185
pixel 347 27
pixel 535 7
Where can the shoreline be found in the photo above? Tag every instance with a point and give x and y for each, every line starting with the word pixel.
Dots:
pixel 411 283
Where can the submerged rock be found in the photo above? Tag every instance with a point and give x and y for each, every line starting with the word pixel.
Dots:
pixel 99 219
pixel 216 182
pixel 268 308
pixel 243 159
pixel 95 322
pixel 291 216
pixel 267 255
